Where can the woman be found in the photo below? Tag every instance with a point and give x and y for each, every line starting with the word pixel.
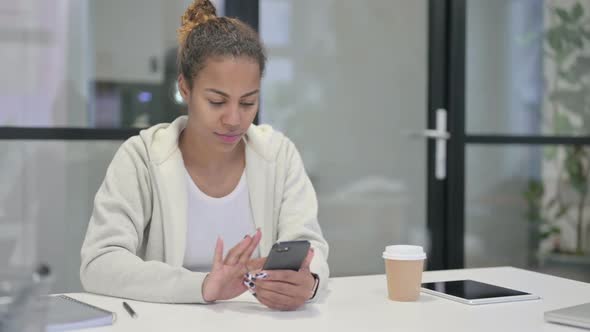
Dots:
pixel 175 195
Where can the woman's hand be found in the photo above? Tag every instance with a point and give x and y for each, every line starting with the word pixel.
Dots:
pixel 256 264
pixel 285 289
pixel 225 281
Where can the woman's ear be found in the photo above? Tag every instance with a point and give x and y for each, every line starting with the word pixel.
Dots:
pixel 184 88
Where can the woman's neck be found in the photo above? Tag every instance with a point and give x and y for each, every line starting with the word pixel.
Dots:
pixel 197 154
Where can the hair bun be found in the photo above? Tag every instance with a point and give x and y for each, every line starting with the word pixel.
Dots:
pixel 199 12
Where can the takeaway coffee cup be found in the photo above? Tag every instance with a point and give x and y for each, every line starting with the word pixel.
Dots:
pixel 403 266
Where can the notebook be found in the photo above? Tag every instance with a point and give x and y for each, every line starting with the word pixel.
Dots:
pixel 578 316
pixel 66 313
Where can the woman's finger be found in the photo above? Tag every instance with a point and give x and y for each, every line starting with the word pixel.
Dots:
pixel 236 252
pixel 256 264
pixel 280 301
pixel 278 287
pixel 248 253
pixel 307 261
pixel 288 276
pixel 218 256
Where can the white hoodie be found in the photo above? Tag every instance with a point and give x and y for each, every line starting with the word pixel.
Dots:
pixel 135 242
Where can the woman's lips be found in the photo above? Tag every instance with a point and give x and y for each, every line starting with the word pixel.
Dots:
pixel 229 138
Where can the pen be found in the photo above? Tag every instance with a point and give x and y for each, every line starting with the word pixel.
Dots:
pixel 127 307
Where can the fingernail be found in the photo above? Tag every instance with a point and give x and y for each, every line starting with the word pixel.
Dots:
pixel 261 275
pixel 249 283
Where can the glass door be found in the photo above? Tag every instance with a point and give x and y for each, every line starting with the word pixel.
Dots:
pixel 522 73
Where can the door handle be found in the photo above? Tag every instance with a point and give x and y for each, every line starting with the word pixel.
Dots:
pixel 441 135
pixel 431 133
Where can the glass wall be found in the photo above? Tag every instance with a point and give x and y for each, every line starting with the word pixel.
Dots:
pixel 527 67
pixel 74 64
pixel 524 209
pixel 90 63
pixel 504 67
pixel 46 197
pixel 528 74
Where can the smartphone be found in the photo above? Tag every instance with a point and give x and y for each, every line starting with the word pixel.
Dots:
pixel 288 255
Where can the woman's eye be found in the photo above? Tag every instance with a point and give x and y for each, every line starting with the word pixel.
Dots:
pixel 247 104
pixel 216 103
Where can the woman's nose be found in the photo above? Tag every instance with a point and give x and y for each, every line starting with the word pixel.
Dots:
pixel 231 118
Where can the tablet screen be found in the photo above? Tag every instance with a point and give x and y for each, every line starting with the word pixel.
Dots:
pixel 471 290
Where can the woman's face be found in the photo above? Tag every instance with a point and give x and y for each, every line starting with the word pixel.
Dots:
pixel 223 100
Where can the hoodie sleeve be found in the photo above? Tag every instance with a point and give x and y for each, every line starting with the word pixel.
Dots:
pixel 298 217
pixel 122 212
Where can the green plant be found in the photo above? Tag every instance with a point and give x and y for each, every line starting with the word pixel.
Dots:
pixel 568 113
pixel 541 228
pixel 569 86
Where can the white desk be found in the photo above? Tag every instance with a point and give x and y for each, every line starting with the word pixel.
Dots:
pixel 361 304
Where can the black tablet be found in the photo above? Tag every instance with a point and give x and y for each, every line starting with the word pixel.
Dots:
pixel 475 292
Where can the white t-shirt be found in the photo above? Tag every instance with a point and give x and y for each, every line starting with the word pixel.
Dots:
pixel 229 217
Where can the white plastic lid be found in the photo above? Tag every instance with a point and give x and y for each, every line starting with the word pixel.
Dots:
pixel 404 252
